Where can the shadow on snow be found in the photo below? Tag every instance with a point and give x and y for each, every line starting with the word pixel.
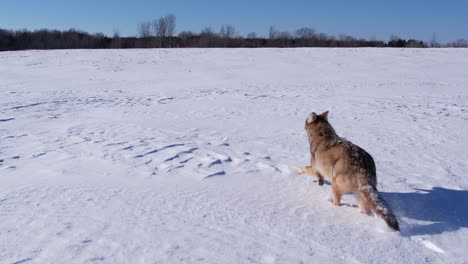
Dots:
pixel 445 209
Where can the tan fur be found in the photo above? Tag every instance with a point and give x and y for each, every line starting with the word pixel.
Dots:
pixel 349 168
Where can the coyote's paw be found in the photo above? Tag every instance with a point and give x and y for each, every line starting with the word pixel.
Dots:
pixel 321 182
pixel 364 210
pixel 301 170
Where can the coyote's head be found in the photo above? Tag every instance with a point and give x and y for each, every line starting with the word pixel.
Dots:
pixel 318 126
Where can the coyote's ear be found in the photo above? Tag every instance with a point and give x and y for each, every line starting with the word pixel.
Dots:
pixel 311 118
pixel 324 115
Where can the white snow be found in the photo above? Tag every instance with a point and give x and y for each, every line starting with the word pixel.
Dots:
pixel 189 155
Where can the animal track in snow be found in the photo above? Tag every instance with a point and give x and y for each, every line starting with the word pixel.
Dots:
pixel 197 155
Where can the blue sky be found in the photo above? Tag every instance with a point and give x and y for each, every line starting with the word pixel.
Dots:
pixel 361 18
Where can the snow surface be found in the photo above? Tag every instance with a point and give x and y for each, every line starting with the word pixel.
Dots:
pixel 189 155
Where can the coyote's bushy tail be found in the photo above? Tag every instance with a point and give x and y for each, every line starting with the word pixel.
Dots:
pixel 379 206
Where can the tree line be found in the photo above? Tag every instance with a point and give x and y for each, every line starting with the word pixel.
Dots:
pixel 160 33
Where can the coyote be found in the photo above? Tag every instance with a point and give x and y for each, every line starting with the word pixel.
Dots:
pixel 348 167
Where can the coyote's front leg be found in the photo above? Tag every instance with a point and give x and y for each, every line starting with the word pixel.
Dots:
pixel 313 172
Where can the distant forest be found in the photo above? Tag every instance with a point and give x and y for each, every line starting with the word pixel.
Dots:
pixel 160 33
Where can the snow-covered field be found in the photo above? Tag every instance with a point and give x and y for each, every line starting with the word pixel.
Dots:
pixel 189 155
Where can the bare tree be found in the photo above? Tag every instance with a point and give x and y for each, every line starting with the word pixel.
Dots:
pixel 207 37
pixel 207 30
pixel 170 27
pixel 322 36
pixel 116 43
pixel 116 33
pixel 252 40
pixel 272 32
pixel 345 37
pixel 460 43
pixel 346 41
pixel 222 34
pixel 252 35
pixel 164 29
pixel 144 29
pixel 283 37
pixel 227 32
pixel 160 31
pixel 394 38
pixel 434 43
pixel 305 33
pixel 279 38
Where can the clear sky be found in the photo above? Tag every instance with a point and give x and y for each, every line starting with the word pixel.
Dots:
pixel 360 18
